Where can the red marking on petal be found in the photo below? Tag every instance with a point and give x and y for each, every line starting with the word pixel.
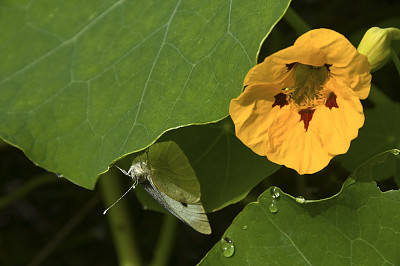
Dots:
pixel 290 66
pixel 306 116
pixel 328 66
pixel 280 99
pixel 331 102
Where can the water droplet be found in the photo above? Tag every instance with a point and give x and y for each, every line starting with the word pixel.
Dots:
pixel 273 208
pixel 300 199
pixel 396 152
pixel 244 227
pixel 227 247
pixel 275 192
pixel 59 176
pixel 144 207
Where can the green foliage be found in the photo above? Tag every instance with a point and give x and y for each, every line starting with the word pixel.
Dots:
pixel 380 132
pixel 86 82
pixel 358 226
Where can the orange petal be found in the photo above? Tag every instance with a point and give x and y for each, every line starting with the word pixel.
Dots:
pixel 252 116
pixel 276 132
pixel 317 48
pixel 338 126
pixel 273 70
pixel 293 147
pixel 347 65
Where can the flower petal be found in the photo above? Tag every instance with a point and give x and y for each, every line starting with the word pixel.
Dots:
pixel 346 64
pixel 338 126
pixel 276 132
pixel 252 116
pixel 300 136
pixel 293 146
pixel 317 48
pixel 273 70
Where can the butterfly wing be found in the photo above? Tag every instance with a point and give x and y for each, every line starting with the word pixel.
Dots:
pixel 189 213
pixel 172 172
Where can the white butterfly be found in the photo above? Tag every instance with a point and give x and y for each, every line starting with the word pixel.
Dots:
pixel 169 178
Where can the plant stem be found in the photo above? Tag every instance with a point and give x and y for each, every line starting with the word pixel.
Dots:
pixel 71 224
pixel 397 170
pixel 396 60
pixel 301 186
pixel 296 22
pixel 120 221
pixel 377 96
pixel 165 241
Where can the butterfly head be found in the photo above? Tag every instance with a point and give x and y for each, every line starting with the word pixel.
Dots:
pixel 139 172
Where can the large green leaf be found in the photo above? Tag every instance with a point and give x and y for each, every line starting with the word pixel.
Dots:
pixel 227 170
pixel 359 226
pixel 85 82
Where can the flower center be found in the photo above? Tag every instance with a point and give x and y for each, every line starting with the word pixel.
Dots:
pixel 308 92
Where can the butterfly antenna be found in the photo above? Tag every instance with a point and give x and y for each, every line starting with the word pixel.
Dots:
pixel 147 156
pixel 122 170
pixel 133 186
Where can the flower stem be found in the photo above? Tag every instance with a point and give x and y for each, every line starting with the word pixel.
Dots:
pixel 397 171
pixel 66 230
pixel 301 185
pixel 377 96
pixel 296 22
pixel 120 221
pixel 165 241
pixel 396 60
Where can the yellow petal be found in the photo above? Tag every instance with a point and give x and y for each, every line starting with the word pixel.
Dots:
pixel 338 126
pixel 276 132
pixel 294 147
pixel 347 65
pixel 317 48
pixel 272 71
pixel 251 114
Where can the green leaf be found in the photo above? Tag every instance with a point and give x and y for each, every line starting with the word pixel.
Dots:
pixel 359 226
pixel 379 133
pixel 85 82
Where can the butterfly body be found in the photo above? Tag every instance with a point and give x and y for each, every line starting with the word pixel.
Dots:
pixel 139 172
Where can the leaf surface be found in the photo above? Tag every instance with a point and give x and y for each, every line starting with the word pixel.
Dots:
pixel 84 83
pixel 359 226
pixel 379 133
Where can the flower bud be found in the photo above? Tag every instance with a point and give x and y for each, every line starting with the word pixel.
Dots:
pixel 376 45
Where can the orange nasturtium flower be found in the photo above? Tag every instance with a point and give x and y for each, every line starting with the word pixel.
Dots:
pixel 301 106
